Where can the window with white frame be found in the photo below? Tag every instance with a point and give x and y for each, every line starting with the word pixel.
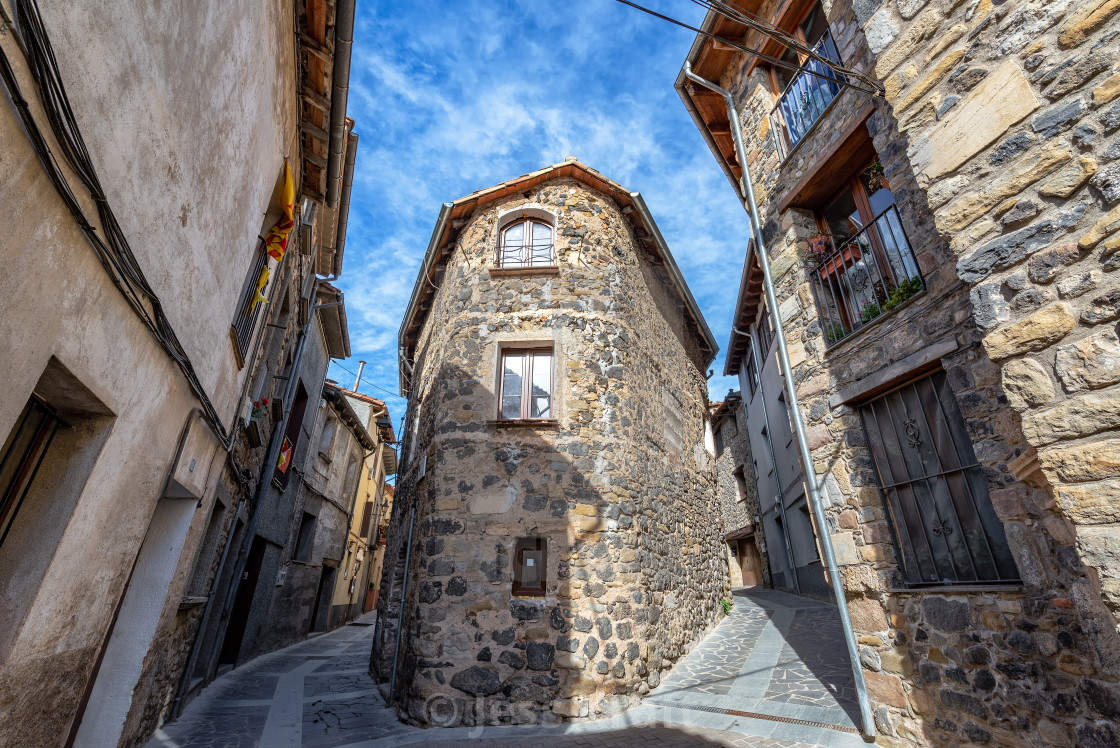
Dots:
pixel 525 389
pixel 526 243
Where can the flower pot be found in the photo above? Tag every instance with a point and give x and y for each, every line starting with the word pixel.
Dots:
pixel 838 263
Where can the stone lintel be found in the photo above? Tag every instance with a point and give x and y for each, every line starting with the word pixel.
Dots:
pixel 893 373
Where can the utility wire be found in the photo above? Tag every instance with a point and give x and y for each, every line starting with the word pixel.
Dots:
pixel 788 40
pixel 842 80
pixel 366 381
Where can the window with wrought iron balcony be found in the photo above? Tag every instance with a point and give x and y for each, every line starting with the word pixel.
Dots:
pixel 862 266
pixel 803 85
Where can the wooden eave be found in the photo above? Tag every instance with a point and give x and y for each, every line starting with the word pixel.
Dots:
pixel 711 59
pixel 316 66
pixel 746 309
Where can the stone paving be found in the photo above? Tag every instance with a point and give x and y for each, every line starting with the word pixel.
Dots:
pixel 773 674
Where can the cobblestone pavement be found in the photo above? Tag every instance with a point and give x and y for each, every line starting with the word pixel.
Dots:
pixel 773 674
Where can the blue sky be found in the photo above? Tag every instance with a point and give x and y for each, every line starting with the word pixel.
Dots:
pixel 451 97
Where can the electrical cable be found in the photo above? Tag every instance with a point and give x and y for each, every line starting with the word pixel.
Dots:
pixel 366 381
pixel 783 38
pixel 843 81
pixel 113 251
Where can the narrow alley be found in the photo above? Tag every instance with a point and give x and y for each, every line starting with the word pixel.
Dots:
pixel 768 676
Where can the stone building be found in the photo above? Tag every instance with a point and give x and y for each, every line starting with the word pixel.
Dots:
pixel 945 264
pixel 360 569
pixel 555 541
pixel 747 562
pixel 136 328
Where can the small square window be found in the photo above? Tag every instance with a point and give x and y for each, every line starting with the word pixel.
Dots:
pixel 529 567
pixel 525 389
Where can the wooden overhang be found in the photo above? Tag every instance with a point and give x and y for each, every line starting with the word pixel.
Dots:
pixel 710 59
pixel 455 215
pixel 316 66
pixel 746 309
pixel 316 38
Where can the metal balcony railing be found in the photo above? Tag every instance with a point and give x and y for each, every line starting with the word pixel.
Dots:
pixel 525 255
pixel 863 278
pixel 806 97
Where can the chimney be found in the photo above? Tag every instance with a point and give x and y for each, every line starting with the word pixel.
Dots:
pixel 358 379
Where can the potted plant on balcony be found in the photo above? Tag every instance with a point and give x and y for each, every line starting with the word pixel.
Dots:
pixel 818 247
pixel 876 178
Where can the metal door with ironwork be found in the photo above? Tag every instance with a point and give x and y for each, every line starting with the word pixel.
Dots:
pixel 935 491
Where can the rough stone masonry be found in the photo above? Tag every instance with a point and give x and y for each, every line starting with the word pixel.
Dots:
pixel 626 508
pixel 999 138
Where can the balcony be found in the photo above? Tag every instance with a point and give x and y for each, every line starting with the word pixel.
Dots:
pixel 864 278
pixel 806 97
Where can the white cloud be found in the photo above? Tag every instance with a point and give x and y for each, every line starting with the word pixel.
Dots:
pixel 451 97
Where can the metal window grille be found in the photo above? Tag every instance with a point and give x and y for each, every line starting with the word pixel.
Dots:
pixel 935 492
pixel 806 97
pixel 865 277
pixel 752 374
pixel 245 318
pixel 765 333
pixel 526 244
pixel 21 457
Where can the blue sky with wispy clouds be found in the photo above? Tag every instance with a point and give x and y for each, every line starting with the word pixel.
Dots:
pixel 452 96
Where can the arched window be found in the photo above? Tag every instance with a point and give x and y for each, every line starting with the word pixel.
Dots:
pixel 525 243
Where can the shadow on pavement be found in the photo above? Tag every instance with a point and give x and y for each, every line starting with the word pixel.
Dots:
pixel 814 655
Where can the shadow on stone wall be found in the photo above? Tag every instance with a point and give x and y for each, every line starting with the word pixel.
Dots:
pixel 472 652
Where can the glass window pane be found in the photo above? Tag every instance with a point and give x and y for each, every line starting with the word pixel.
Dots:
pixel 542 386
pixel 513 234
pixel 542 234
pixel 815 25
pixel 843 217
pixel 513 245
pixel 512 366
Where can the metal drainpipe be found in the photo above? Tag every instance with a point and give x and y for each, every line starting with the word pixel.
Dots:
pixel 774 462
pixel 747 188
pixel 340 87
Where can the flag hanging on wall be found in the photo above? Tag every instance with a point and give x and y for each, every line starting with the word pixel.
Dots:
pixel 259 297
pixel 276 240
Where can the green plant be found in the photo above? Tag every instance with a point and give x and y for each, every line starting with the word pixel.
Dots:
pixel 726 606
pixel 869 311
pixel 902 292
pixel 834 332
pixel 875 176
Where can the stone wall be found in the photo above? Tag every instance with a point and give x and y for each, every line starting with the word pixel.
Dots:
pixel 738 511
pixel 634 566
pixel 997 138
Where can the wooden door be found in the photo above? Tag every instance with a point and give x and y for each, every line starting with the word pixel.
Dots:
pixel 750 563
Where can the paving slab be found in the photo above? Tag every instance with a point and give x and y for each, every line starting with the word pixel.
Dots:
pixel 773 674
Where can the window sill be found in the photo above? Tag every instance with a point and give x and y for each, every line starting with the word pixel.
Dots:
pixel 529 595
pixel 830 349
pixel 958 589
pixel 526 423
pixel 498 272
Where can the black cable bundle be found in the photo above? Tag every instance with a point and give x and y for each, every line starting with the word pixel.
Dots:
pixel 113 251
